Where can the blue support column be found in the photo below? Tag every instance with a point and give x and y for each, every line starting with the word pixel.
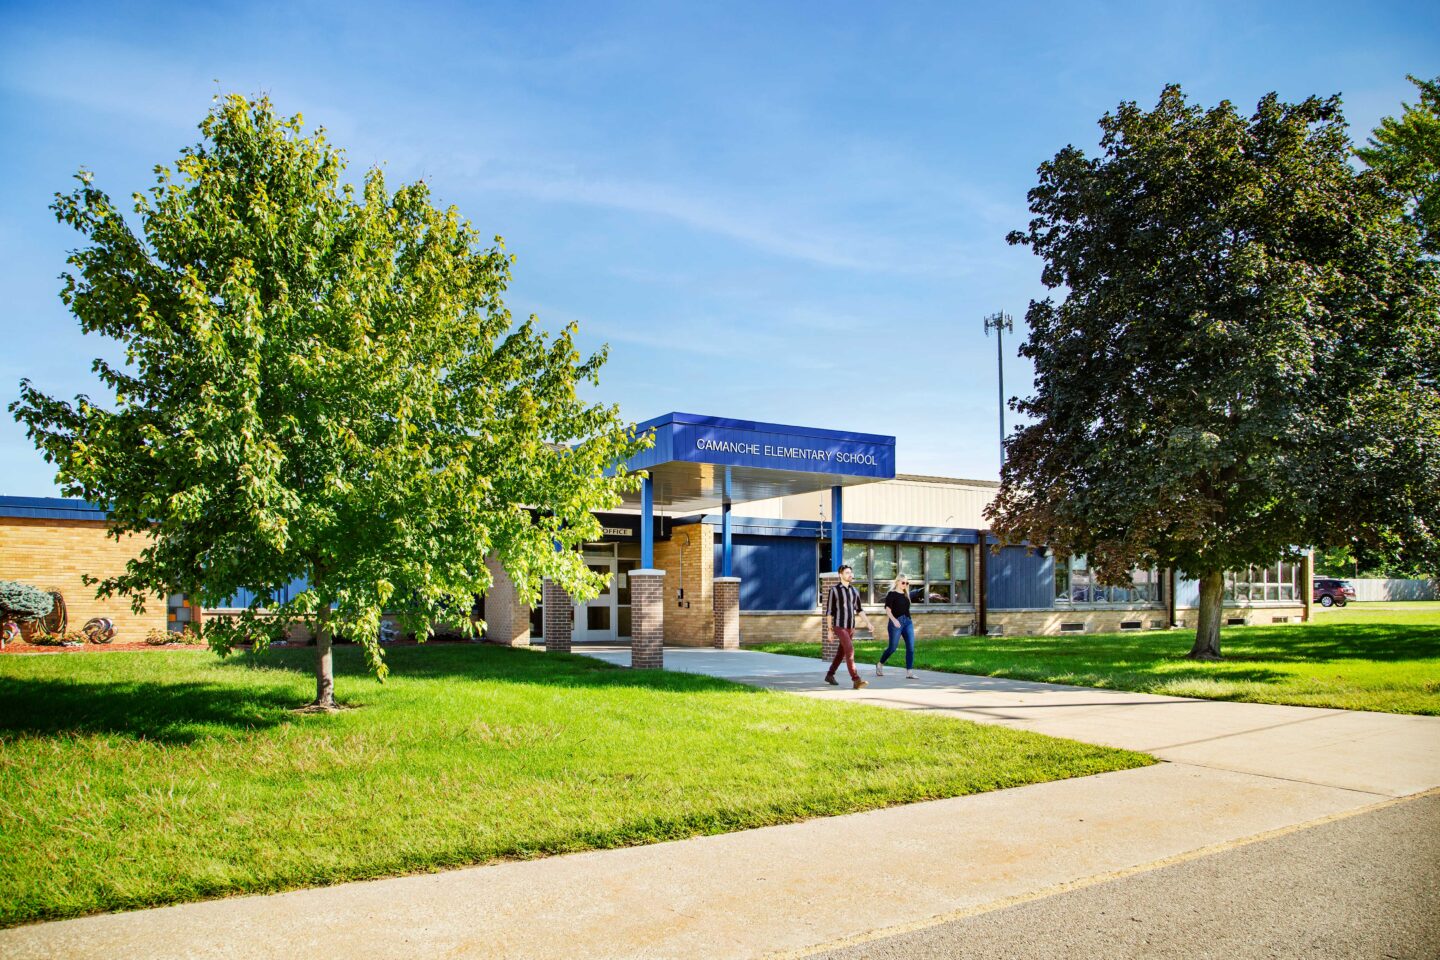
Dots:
pixel 725 529
pixel 837 528
pixel 647 524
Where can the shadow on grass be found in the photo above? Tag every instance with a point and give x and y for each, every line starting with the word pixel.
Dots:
pixel 1311 643
pixel 174 713
pixel 1336 641
pixel 484 662
pixel 1121 675
pixel 187 711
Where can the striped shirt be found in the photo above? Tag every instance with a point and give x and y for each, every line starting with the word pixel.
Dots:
pixel 842 604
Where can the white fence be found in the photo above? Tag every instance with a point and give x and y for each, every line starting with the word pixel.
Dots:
pixel 1396 589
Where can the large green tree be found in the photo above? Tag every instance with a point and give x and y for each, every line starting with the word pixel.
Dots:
pixel 1244 357
pixel 320 380
pixel 1405 152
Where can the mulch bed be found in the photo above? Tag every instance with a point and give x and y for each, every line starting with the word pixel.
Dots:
pixel 20 646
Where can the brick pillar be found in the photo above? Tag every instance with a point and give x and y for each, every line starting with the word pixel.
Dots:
pixel 982 584
pixel 559 617
pixel 829 646
pixel 647 619
pixel 727 613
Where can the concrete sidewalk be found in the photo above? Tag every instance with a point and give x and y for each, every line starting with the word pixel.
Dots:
pixel 1237 771
pixel 1380 753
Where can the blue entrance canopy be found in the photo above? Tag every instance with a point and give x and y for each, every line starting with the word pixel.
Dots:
pixel 701 462
pixel 694 456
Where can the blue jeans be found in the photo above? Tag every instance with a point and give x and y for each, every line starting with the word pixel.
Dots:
pixel 906 630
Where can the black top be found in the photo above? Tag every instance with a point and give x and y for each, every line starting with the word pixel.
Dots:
pixel 898 603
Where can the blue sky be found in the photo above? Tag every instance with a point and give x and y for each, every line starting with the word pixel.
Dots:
pixel 788 212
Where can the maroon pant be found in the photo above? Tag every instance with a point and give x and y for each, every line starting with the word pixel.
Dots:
pixel 846 637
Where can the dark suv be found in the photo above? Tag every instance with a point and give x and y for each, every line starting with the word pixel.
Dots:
pixel 1330 593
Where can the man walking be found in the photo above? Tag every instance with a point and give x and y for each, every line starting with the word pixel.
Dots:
pixel 843 606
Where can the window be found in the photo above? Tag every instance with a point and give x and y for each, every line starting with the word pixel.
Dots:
pixel 857 555
pixel 1076 582
pixel 882 561
pixel 1274 582
pixel 938 574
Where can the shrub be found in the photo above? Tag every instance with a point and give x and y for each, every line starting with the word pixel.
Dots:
pixel 72 638
pixel 162 638
pixel 20 602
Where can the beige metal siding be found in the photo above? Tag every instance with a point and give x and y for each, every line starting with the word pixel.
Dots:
pixel 771 509
pixel 917 502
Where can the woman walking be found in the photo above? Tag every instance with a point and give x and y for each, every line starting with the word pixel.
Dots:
pixel 897 612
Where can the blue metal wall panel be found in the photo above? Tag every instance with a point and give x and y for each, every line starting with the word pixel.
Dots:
pixel 662 451
pixel 1017 578
pixel 51 508
pixel 776 573
pixel 245 597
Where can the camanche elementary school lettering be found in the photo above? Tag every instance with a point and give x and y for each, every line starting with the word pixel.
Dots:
pixel 731 540
pixel 791 453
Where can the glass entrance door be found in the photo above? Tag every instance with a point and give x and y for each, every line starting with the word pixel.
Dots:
pixel 599 619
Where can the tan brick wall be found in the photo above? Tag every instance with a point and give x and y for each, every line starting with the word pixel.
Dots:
pixel 805 627
pixel 55 554
pixel 1255 616
pixel 779 628
pixel 691 626
pixel 507 620
pixel 1035 623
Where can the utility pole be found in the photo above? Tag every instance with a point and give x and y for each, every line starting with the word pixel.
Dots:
pixel 1000 322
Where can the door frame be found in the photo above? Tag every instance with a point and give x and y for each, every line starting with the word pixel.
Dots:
pixel 608 600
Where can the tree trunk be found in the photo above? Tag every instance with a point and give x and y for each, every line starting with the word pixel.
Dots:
pixel 1212 608
pixel 324 663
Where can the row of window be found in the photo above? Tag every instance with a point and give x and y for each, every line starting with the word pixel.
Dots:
pixel 941 574
pixel 937 574
pixel 1076 582
pixel 1273 582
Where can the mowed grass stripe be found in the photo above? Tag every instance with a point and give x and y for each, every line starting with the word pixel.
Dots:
pixel 132 780
pixel 1365 657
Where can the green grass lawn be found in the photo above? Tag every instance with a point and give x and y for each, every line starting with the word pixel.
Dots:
pixel 132 779
pixel 1366 656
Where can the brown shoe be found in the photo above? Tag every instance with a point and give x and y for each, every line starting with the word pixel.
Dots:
pixel 830 679
pixel 860 683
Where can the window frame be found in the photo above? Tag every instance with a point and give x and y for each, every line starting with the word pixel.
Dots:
pixel 1264 583
pixel 1147 589
pixel 873 589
